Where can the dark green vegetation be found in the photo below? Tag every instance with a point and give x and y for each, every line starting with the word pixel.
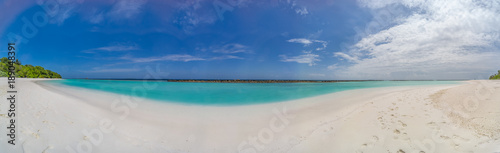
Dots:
pixel 26 71
pixel 495 76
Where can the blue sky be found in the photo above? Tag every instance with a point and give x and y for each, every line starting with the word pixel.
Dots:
pixel 243 39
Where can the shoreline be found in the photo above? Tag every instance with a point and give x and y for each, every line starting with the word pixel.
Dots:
pixel 251 80
pixel 143 86
pixel 346 121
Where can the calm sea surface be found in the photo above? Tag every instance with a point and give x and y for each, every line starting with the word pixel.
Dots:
pixel 228 93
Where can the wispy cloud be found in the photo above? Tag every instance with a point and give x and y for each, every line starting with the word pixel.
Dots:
pixel 306 58
pixel 231 49
pixel 333 67
pixel 66 12
pixel 193 14
pixel 65 9
pixel 302 11
pixel 225 57
pixel 119 11
pixel 299 9
pixel 347 57
pixel 177 57
pixel 307 42
pixel 112 70
pixel 125 9
pixel 448 39
pixel 173 57
pixel 96 17
pixel 301 40
pixel 113 48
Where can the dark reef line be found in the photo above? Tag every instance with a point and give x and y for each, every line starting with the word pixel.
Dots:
pixel 263 81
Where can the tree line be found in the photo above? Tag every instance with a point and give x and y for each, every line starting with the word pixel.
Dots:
pixel 495 76
pixel 26 71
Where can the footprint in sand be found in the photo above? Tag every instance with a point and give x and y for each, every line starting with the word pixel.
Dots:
pixel 370 144
pixel 382 122
pixel 400 131
pixel 402 123
pixel 396 131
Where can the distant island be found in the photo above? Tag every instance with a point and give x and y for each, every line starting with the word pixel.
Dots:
pixel 495 76
pixel 26 71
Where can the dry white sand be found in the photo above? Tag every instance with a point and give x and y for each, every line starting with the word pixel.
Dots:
pixel 430 119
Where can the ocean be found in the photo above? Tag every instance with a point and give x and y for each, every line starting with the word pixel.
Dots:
pixel 228 93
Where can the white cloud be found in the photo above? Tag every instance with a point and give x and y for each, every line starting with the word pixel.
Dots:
pixel 333 67
pixel 113 48
pixel 347 57
pixel 125 9
pixel 307 42
pixel 65 9
pixel 231 49
pixel 173 57
pixel 376 3
pixel 302 11
pixel 306 58
pixel 66 12
pixel 112 70
pixel 191 19
pixel 225 57
pixel 323 43
pixel 94 15
pixel 177 57
pixel 448 39
pixel 117 48
pixel 301 40
pixel 119 11
pixel 197 12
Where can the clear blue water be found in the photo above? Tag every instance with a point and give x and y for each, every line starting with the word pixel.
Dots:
pixel 228 93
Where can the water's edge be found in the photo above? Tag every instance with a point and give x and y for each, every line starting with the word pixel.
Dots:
pixel 228 93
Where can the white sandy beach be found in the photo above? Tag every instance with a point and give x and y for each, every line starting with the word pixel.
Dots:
pixel 416 119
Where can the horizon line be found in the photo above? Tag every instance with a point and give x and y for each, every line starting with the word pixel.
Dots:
pixel 166 79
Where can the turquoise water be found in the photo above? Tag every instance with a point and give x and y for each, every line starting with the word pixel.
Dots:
pixel 228 93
